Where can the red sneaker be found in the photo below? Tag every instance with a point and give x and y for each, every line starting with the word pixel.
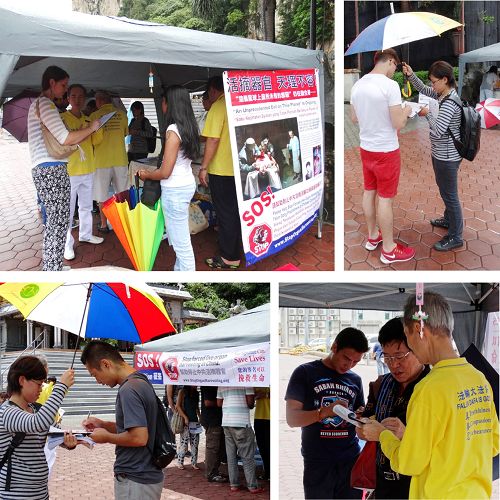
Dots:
pixel 373 244
pixel 399 254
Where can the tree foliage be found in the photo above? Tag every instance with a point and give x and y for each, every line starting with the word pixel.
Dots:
pixel 217 298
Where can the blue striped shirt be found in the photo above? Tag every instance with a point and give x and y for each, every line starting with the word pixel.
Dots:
pixel 235 411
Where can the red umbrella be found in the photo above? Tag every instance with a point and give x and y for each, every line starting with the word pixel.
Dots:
pixel 15 114
pixel 490 112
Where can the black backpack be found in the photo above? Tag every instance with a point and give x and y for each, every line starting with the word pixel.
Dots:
pixel 150 140
pixel 470 130
pixel 164 448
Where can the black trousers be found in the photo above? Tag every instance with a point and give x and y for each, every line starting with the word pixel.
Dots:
pixel 326 479
pixel 392 489
pixel 225 202
pixel 262 430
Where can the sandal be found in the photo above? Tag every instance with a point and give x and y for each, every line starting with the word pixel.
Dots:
pixel 181 467
pixel 195 467
pixel 256 491
pixel 103 230
pixel 217 263
pixel 234 489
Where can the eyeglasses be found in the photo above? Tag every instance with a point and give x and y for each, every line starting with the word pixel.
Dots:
pixel 39 383
pixel 392 359
pixel 434 81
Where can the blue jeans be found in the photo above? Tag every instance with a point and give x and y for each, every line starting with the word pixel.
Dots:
pixel 446 173
pixel 175 204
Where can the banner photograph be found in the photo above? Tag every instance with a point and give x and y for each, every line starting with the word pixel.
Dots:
pixel 234 367
pixel 276 138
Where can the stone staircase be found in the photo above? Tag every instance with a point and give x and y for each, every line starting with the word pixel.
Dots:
pixel 86 394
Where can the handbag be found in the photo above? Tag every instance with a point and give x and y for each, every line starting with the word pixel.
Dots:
pixel 151 191
pixel 363 473
pixel 197 220
pixel 54 147
pixel 177 423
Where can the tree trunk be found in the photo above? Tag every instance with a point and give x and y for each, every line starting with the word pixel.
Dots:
pixel 267 9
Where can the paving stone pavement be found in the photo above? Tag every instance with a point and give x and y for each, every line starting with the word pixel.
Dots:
pixel 88 474
pixel 418 201
pixel 21 231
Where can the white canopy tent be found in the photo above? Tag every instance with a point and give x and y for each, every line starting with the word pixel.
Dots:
pixel 490 54
pixel 117 53
pixel 470 302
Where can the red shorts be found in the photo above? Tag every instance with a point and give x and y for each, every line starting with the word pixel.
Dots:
pixel 381 172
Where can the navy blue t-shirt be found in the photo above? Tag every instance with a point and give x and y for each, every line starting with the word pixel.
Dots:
pixel 314 384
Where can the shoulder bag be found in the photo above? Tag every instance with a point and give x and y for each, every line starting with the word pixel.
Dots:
pixel 54 147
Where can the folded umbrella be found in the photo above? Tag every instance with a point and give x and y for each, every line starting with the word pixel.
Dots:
pixel 138 227
pixel 398 29
pixel 15 114
pixel 489 111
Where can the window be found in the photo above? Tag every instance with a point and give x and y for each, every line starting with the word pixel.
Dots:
pixel 387 316
pixel 360 314
pixel 292 324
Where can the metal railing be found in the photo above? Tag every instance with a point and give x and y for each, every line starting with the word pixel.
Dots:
pixel 35 344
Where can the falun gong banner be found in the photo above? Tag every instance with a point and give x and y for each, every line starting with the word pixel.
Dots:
pixel 243 366
pixel 276 136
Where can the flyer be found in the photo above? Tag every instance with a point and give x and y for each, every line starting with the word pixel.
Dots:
pixel 276 135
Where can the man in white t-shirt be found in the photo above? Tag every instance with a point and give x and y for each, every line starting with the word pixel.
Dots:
pixel 376 105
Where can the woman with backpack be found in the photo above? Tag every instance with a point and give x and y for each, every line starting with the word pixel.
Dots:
pixel 30 424
pixel 182 146
pixel 140 130
pixel 445 157
pixel 188 405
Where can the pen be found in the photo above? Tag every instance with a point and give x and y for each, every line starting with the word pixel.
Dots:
pixel 88 416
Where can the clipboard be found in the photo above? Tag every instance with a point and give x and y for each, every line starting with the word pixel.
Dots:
pixel 104 118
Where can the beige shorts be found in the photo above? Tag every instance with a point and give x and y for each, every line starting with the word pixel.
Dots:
pixel 103 177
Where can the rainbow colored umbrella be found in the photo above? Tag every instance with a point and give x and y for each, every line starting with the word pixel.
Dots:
pixel 138 227
pixel 398 29
pixel 129 312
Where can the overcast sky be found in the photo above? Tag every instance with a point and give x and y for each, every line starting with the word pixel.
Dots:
pixel 39 5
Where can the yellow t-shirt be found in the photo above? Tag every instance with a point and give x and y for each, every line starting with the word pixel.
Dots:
pixel 262 403
pixel 75 165
pixel 47 389
pixel 451 434
pixel 111 151
pixel 217 128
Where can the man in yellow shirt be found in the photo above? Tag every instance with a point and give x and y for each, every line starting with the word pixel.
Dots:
pixel 452 426
pixel 217 169
pixel 80 171
pixel 111 160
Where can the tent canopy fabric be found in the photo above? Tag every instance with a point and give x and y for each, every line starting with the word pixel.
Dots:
pixel 375 296
pixel 491 54
pixel 117 53
pixel 249 327
pixel 470 302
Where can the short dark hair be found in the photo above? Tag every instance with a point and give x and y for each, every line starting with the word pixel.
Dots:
pixel 138 105
pixel 77 86
pixel 441 69
pixel 392 331
pixel 204 96
pixel 97 350
pixel 53 73
pixel 493 69
pixel 28 366
pixel 216 82
pixel 385 55
pixel 352 338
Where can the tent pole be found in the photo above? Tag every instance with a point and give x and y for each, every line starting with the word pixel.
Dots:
pixel 89 291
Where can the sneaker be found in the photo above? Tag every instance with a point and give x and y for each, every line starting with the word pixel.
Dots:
pixel 448 243
pixel 66 268
pixel 400 253
pixel 218 479
pixel 69 254
pixel 441 222
pixel 95 240
pixel 372 244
